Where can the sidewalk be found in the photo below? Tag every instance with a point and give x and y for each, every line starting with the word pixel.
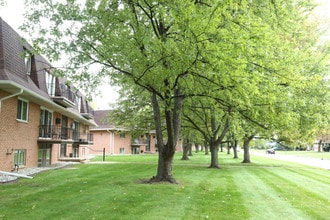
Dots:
pixel 315 162
pixel 33 170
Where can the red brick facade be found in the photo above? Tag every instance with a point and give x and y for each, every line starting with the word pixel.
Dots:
pixel 40 123
pixel 117 140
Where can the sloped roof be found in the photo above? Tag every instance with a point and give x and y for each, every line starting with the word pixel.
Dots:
pixel 13 77
pixel 101 119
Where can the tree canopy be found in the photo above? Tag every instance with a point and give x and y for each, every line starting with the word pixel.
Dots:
pixel 253 57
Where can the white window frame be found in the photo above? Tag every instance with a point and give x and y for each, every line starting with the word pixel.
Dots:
pixel 19 115
pixel 17 159
pixel 50 83
pixel 50 119
pixel 27 61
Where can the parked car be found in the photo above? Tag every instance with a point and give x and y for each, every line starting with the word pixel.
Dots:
pixel 271 150
pixel 326 148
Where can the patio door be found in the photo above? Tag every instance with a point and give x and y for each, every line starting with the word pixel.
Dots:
pixel 75 150
pixel 64 127
pixel 46 118
pixel 44 155
pixel 63 150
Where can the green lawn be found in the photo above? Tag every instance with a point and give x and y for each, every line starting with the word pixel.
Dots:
pixel 265 189
pixel 310 154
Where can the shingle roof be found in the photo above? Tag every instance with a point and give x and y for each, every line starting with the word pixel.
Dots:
pixel 100 117
pixel 13 74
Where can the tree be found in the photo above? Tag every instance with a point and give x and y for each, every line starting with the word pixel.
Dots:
pixel 176 49
pixel 144 43
pixel 211 121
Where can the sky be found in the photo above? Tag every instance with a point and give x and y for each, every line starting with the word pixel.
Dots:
pixel 13 11
pixel 12 14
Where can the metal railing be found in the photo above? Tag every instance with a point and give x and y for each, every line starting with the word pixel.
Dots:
pixel 57 132
pixel 139 142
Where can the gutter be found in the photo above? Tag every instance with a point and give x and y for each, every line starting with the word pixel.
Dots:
pixel 54 106
pixel 10 96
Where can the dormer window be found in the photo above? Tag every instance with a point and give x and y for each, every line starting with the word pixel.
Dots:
pixel 78 102
pixel 27 61
pixel 50 83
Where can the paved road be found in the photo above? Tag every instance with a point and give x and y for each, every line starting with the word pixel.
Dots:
pixel 321 163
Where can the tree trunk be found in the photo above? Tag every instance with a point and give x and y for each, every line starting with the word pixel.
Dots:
pixel 216 142
pixel 185 151
pixel 228 147
pixel 206 148
pixel 214 155
pixel 221 148
pixel 235 149
pixel 190 150
pixel 246 148
pixel 164 170
pixel 196 148
pixel 319 146
pixel 166 151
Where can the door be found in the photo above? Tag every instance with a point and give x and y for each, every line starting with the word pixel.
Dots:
pixel 75 130
pixel 75 150
pixel 63 150
pixel 135 150
pixel 64 127
pixel 44 155
pixel 46 118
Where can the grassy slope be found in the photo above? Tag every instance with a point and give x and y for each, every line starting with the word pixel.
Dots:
pixel 265 189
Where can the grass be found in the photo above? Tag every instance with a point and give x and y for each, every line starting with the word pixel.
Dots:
pixel 265 189
pixel 309 154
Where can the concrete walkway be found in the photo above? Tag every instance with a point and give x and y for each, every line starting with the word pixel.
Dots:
pixel 315 162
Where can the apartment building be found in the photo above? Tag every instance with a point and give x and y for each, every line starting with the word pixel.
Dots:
pixel 115 140
pixel 43 120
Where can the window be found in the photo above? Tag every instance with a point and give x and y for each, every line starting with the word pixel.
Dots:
pixel 78 102
pixel 122 135
pixel 46 118
pixel 20 157
pixel 27 61
pixel 122 150
pixel 50 83
pixel 75 128
pixel 22 110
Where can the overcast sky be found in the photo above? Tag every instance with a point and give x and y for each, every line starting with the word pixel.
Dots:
pixel 13 11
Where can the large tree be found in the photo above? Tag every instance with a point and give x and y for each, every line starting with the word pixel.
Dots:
pixel 157 45
pixel 174 50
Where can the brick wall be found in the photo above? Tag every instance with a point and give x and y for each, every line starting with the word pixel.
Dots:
pixel 122 143
pixel 101 140
pixel 111 141
pixel 18 135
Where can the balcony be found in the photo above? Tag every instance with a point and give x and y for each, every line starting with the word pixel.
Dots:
pixel 83 137
pixel 139 142
pixel 86 111
pixel 59 134
pixel 64 96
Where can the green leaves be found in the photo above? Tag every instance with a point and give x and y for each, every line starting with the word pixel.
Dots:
pixel 259 58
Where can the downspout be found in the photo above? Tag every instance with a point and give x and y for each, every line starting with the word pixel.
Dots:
pixel 10 96
pixel 111 142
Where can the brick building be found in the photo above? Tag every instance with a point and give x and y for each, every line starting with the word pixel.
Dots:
pixel 115 140
pixel 42 119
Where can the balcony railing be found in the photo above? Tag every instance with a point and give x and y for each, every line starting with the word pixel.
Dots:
pixel 67 93
pixel 83 137
pixel 55 132
pixel 139 142
pixel 64 96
